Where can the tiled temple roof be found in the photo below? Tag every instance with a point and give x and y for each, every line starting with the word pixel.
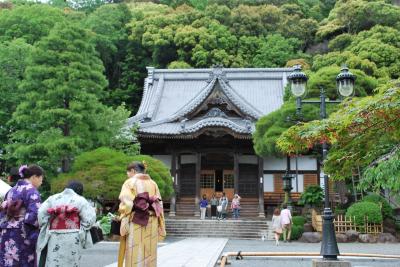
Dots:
pixel 171 96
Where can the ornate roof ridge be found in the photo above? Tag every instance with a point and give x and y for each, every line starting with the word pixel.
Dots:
pixel 195 102
pixel 242 104
pixel 218 122
pixel 207 70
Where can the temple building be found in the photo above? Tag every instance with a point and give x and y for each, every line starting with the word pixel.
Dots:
pixel 200 122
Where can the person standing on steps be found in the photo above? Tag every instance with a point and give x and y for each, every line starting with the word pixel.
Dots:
pixel 276 225
pixel 214 204
pixel 235 206
pixel 203 207
pixel 223 202
pixel 286 222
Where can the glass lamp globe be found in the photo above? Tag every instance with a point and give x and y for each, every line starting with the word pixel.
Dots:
pixel 345 82
pixel 298 81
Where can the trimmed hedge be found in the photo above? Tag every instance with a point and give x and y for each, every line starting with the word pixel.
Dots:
pixel 299 220
pixel 103 171
pixel 387 210
pixel 361 209
pixel 297 231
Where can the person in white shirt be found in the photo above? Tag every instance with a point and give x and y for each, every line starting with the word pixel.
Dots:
pixel 276 225
pixel 286 222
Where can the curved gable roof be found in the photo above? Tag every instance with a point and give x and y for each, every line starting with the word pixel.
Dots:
pixel 170 95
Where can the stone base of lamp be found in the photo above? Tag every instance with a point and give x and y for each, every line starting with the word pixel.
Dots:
pixel 329 263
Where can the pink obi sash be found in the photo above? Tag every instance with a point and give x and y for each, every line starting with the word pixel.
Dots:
pixel 64 217
pixel 143 205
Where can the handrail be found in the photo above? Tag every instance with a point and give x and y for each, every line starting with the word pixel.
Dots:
pixel 225 256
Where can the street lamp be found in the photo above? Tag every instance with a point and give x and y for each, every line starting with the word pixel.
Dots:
pixel 287 187
pixel 345 85
pixel 298 82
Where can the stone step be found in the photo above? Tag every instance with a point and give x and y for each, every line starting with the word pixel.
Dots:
pixel 240 229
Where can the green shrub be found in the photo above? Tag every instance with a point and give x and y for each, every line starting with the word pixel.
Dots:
pixel 297 231
pixel 103 171
pixel 312 195
pixel 361 209
pixel 299 220
pixel 387 210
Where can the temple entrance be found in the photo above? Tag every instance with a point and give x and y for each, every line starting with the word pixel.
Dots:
pixel 216 181
pixel 219 181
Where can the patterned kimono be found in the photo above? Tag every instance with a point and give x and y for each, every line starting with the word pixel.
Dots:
pixel 65 220
pixel 142 222
pixel 19 226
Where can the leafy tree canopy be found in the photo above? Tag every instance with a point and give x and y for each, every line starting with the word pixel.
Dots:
pixel 353 16
pixel 103 171
pixel 29 22
pixel 360 133
pixel 60 114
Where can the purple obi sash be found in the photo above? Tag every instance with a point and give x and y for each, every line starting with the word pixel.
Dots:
pixel 143 205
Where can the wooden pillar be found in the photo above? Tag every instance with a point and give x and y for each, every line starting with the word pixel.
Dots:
pixel 197 200
pixel 261 212
pixel 172 209
pixel 236 172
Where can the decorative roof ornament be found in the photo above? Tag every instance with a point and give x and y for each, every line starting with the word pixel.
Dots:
pixel 218 100
pixel 150 75
pixel 215 112
pixel 217 72
pixel 183 123
pixel 248 124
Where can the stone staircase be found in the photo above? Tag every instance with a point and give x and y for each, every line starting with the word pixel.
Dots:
pixel 235 229
pixel 185 206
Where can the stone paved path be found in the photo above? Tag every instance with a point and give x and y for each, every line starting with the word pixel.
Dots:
pixel 193 252
pixel 104 253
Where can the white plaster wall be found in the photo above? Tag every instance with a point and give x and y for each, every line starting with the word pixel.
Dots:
pixel 300 187
pixel 248 159
pixel 166 159
pixel 304 163
pixel 186 159
pixel 273 164
pixel 268 183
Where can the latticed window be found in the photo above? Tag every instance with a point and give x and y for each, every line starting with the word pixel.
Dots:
pixel 207 180
pixel 228 180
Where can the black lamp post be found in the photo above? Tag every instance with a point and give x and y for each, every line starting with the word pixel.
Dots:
pixel 287 187
pixel 345 85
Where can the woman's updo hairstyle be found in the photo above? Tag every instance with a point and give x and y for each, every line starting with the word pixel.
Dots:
pixel 76 186
pixel 139 167
pixel 26 172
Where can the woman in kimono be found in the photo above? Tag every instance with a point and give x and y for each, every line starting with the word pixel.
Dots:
pixel 18 219
pixel 65 220
pixel 142 219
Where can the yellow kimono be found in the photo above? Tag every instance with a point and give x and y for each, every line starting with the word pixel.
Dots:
pixel 138 244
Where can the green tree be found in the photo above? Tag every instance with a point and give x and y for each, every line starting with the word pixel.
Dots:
pixel 30 22
pixel 13 61
pixel 353 16
pixel 326 78
pixel 363 133
pixel 275 51
pixel 271 126
pixel 103 171
pixel 110 25
pixel 60 114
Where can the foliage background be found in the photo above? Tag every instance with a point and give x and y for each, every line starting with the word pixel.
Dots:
pixel 103 171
